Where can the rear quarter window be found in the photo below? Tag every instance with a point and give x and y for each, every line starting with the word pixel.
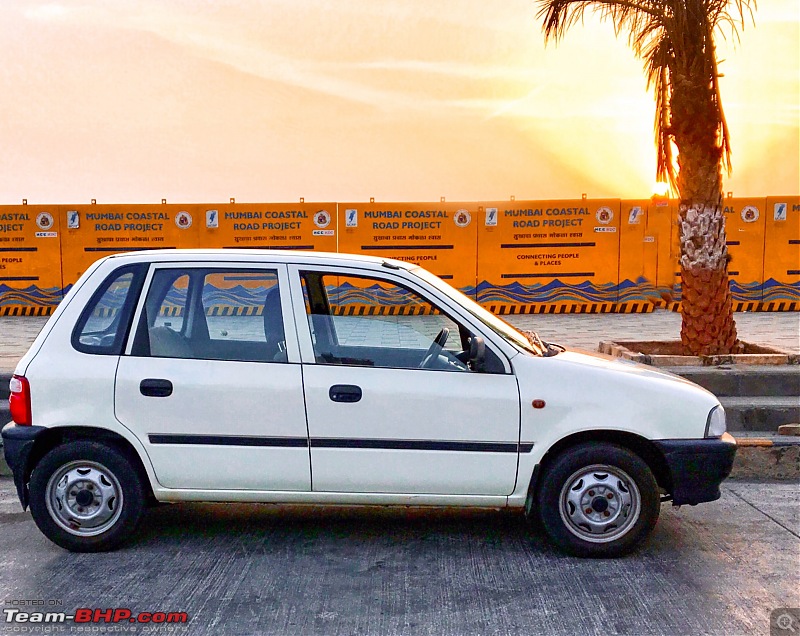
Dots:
pixel 104 323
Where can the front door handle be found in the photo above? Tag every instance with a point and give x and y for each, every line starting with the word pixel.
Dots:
pixel 155 387
pixel 345 393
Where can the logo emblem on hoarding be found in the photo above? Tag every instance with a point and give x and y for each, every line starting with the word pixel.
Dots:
pixel 212 219
pixel 491 216
pixel 780 211
pixel 183 220
pixel 462 218
pixel 44 220
pixel 73 219
pixel 351 217
pixel 635 215
pixel 749 214
pixel 604 215
pixel 322 219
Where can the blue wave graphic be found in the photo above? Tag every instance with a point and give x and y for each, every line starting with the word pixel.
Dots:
pixel 558 291
pixel 238 296
pixel 774 290
pixel 347 294
pixel 770 290
pixel 31 295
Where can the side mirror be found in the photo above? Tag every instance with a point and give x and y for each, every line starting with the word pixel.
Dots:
pixel 477 353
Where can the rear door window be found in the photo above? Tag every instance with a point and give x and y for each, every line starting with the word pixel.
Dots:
pixel 213 314
pixel 104 322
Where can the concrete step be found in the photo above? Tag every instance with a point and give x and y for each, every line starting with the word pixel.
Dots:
pixel 760 413
pixel 767 456
pixel 4 380
pixel 743 380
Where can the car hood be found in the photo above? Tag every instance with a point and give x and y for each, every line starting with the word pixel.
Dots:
pixel 583 390
pixel 621 365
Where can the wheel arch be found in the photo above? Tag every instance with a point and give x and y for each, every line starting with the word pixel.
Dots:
pixel 637 444
pixel 56 436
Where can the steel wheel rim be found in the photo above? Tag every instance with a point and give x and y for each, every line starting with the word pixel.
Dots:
pixel 600 503
pixel 84 498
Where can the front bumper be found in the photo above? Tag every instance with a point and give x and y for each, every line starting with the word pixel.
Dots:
pixel 18 442
pixel 697 467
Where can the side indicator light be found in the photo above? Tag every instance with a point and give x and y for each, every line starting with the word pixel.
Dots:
pixel 538 404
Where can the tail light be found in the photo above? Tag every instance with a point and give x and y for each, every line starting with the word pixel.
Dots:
pixel 20 400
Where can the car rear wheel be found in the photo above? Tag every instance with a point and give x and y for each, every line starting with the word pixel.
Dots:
pixel 86 496
pixel 598 500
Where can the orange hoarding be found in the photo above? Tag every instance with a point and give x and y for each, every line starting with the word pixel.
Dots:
pixel 281 226
pixel 91 232
pixel 30 260
pixel 637 254
pixel 662 238
pixel 514 257
pixel 744 229
pixel 782 252
pixel 441 237
pixel 549 252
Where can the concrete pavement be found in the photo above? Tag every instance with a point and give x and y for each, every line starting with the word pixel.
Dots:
pixel 717 568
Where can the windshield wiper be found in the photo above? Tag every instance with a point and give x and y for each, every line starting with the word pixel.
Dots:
pixel 547 349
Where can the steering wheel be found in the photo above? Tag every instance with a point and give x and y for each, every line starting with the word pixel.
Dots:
pixel 435 349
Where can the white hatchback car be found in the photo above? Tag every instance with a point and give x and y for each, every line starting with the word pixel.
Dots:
pixel 288 377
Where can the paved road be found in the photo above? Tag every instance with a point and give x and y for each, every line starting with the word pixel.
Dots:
pixel 719 568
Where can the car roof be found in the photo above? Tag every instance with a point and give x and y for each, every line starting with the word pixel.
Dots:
pixel 298 257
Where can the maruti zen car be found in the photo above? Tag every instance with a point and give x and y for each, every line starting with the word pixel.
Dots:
pixel 290 377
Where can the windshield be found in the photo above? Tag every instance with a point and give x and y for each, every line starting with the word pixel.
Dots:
pixel 498 325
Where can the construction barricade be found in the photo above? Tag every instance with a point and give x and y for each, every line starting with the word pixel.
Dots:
pixel 583 255
pixel 274 226
pixel 441 237
pixel 550 257
pixel 744 227
pixel 30 260
pixel 781 289
pixel 91 232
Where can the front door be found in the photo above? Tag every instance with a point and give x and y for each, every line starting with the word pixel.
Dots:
pixel 393 404
pixel 212 386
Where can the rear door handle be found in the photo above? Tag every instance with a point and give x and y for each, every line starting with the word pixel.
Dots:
pixel 155 387
pixel 345 393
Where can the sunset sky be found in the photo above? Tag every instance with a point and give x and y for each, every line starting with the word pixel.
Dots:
pixel 335 100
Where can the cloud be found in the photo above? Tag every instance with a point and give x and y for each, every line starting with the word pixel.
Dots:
pixel 46 12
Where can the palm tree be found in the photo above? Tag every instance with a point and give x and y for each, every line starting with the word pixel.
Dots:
pixel 675 40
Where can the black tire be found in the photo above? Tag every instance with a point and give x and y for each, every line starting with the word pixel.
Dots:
pixel 104 474
pixel 619 495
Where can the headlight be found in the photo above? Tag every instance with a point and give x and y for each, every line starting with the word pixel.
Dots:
pixel 715 425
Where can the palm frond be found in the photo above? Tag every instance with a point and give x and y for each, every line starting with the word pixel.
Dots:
pixel 675 40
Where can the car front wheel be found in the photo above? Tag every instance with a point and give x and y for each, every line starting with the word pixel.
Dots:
pixel 598 500
pixel 86 496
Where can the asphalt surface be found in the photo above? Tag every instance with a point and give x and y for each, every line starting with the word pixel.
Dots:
pixel 717 568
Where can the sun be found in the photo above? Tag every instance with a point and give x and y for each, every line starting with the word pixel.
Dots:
pixel 660 189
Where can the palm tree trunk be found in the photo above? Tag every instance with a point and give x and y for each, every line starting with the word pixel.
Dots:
pixel 707 327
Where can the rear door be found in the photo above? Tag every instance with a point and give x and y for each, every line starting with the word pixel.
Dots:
pixel 211 382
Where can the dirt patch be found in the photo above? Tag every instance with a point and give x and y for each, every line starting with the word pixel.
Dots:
pixel 669 353
pixel 675 348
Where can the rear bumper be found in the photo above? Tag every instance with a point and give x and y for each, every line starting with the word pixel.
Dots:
pixel 697 466
pixel 18 442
